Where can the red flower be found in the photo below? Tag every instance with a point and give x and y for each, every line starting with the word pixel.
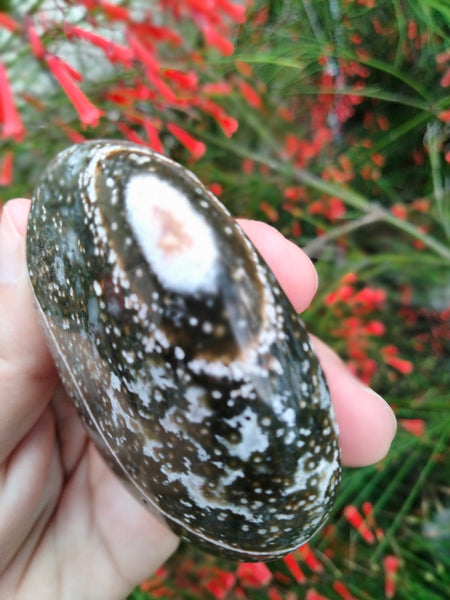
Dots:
pixel 414 426
pixel 9 116
pixel 74 136
pixel 7 22
pixel 88 113
pixel 219 88
pixel 186 81
pixel 270 211
pixel 214 38
pixel 195 147
pixel 306 554
pixel 228 124
pixel 221 584
pixel 251 96
pixel 235 11
pixel 375 328
pixel 274 594
pixel 216 188
pixel 354 517
pixel 158 33
pixel 143 53
pixel 115 52
pixel 114 12
pixel 391 564
pixel 390 357
pixel 445 81
pixel 343 592
pixel 294 568
pixel 36 44
pixel 131 135
pixel 161 87
pixel 254 574
pixel 400 211
pixel 6 169
pixel 153 137
pixel 311 594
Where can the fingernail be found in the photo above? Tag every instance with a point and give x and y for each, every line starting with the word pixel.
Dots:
pixel 316 278
pixel 12 233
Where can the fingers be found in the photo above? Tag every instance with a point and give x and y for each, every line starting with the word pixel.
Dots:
pixel 367 424
pixel 27 373
pixel 294 270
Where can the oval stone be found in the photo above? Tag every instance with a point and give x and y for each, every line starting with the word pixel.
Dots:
pixel 194 376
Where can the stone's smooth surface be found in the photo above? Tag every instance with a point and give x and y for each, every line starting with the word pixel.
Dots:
pixel 194 376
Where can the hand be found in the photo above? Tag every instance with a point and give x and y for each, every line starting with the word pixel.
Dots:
pixel 68 529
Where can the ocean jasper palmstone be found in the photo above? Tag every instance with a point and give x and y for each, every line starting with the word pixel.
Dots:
pixel 194 376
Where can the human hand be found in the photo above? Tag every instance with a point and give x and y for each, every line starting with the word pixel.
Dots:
pixel 68 528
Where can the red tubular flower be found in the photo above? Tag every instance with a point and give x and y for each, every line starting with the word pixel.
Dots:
pixel 375 328
pixel 115 52
pixel 445 81
pixel 254 574
pixel 186 81
pixel 270 211
pixel 353 516
pixel 391 564
pixel 143 52
pixel 9 116
pixel 114 12
pixel 7 22
pixel 235 11
pixel 37 47
pixel 311 594
pixel 195 147
pixel 400 211
pixel 228 124
pixel 294 568
pixel 214 38
pixel 131 135
pixel 274 594
pixel 161 87
pixel 74 136
pixel 309 558
pixel 63 65
pixel 343 592
pixel 153 137
pixel 367 509
pixel 219 88
pixel 390 352
pixel 160 34
pixel 216 188
pixel 88 113
pixel 414 426
pixel 251 96
pixel 6 169
pixel 221 584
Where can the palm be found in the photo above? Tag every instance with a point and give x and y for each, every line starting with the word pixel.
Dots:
pixel 83 518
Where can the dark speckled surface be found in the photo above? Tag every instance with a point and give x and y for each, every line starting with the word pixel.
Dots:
pixel 193 374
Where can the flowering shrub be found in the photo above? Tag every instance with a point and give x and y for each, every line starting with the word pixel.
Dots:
pixel 330 120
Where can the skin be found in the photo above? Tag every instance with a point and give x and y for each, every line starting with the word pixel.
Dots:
pixel 68 529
